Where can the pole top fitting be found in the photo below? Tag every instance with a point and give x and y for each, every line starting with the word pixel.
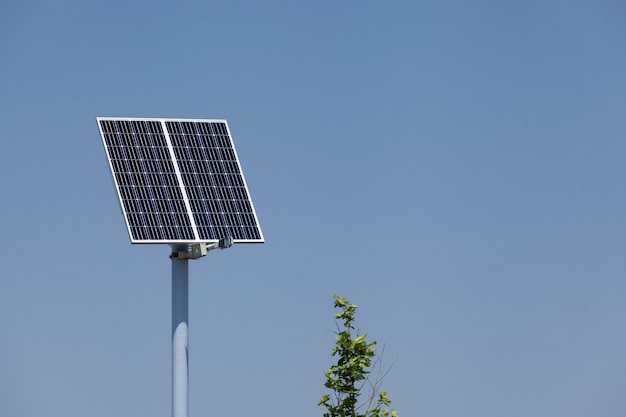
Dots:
pixel 198 250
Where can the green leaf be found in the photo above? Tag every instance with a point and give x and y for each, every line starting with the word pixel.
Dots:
pixel 352 370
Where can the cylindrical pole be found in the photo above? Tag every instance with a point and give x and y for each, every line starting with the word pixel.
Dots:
pixel 180 336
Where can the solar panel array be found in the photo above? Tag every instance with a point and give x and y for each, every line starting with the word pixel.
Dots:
pixel 179 180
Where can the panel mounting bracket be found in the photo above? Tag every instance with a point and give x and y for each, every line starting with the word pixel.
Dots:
pixel 198 250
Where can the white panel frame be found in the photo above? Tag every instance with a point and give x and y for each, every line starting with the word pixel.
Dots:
pixel 179 177
pixel 163 121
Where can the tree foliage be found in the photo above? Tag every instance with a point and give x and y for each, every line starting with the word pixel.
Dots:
pixel 353 372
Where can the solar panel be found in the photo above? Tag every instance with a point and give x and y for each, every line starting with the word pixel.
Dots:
pixel 179 180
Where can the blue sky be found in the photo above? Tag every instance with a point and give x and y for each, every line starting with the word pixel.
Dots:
pixel 455 168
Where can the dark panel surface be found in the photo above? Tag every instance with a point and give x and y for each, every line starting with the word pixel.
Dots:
pixel 213 179
pixel 144 173
pixel 198 195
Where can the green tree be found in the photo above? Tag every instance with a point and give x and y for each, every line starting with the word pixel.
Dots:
pixel 353 372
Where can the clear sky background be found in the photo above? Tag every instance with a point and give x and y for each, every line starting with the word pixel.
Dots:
pixel 455 168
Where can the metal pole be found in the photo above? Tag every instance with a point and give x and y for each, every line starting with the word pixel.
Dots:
pixel 180 335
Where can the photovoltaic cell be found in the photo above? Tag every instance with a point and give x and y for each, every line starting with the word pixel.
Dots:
pixel 179 180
